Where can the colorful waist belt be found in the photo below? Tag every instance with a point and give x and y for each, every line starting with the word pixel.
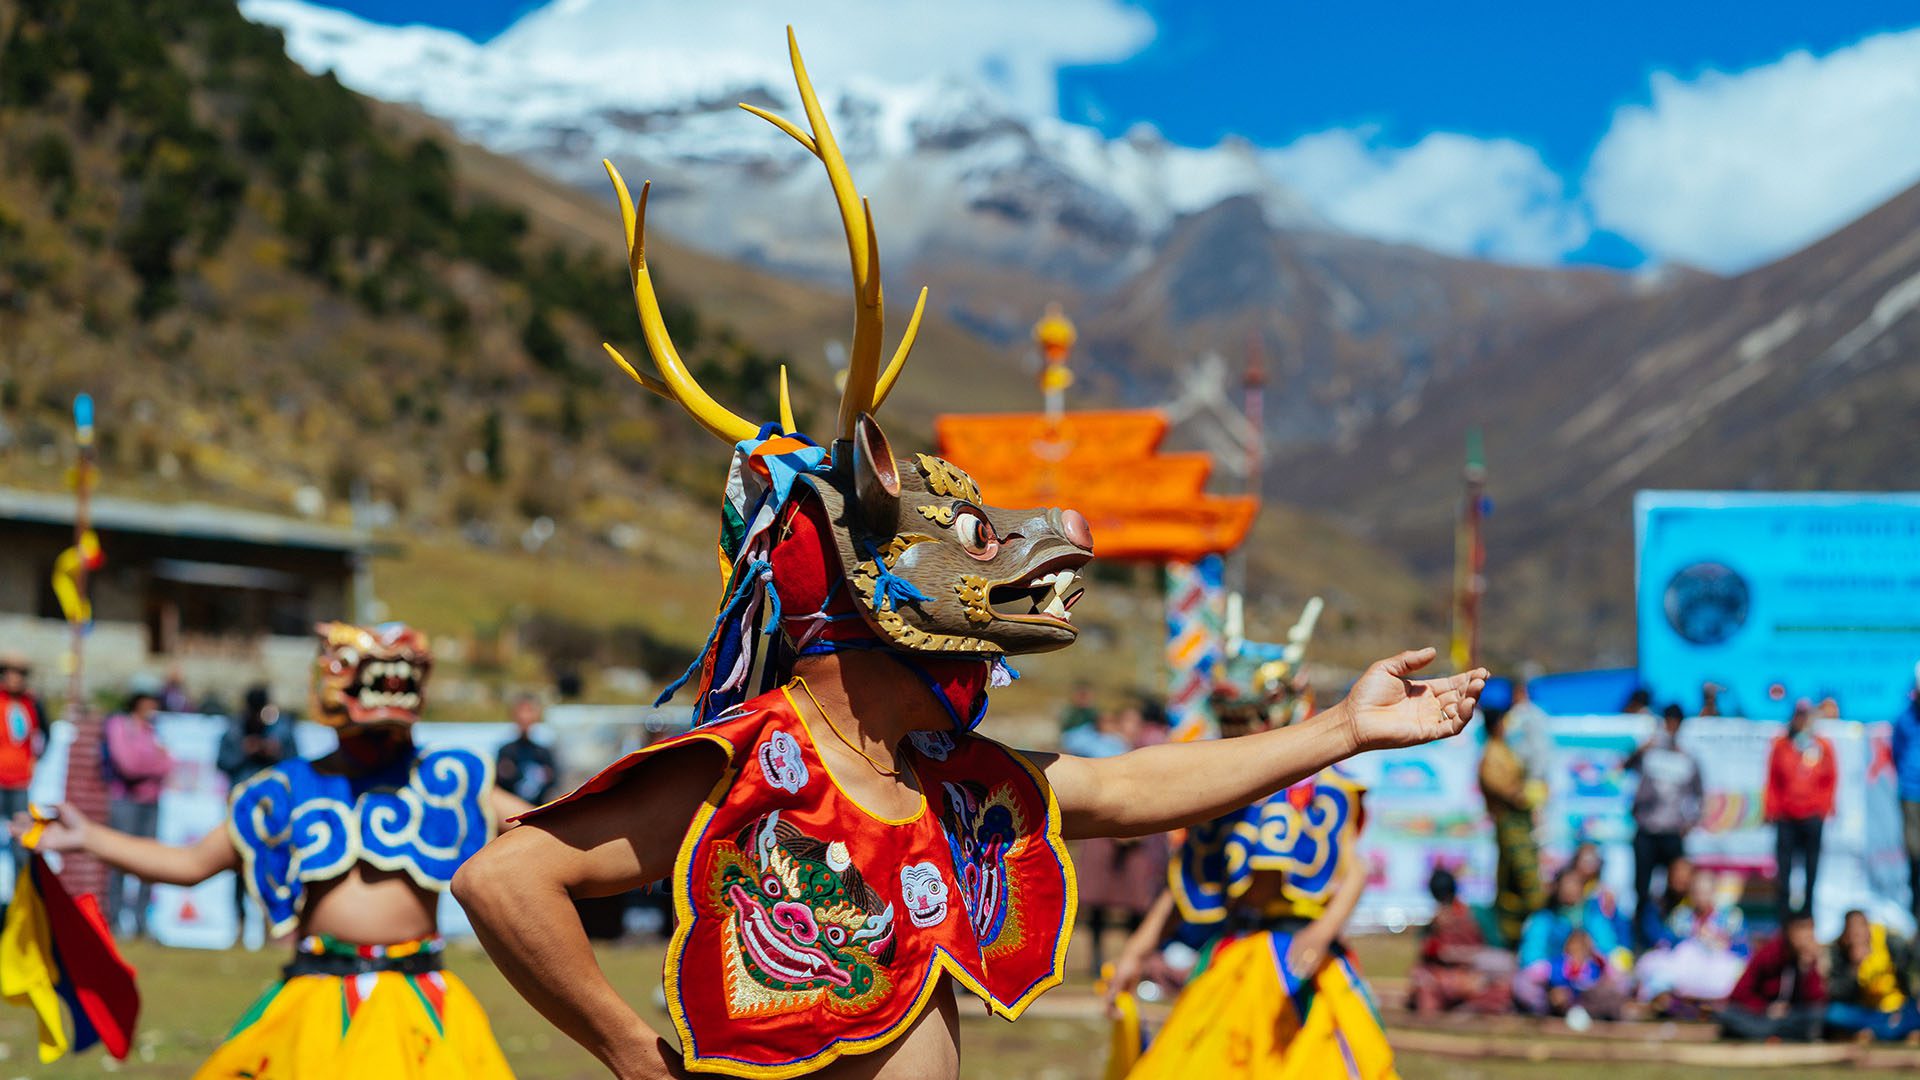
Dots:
pixel 321 955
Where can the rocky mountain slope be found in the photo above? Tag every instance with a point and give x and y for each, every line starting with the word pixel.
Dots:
pixel 1803 374
pixel 286 296
pixel 1161 251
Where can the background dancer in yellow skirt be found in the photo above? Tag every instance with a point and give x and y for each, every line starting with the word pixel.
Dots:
pixel 1274 993
pixel 352 850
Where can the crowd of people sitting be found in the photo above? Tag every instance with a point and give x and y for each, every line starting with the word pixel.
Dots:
pixel 1575 958
pixel 1568 947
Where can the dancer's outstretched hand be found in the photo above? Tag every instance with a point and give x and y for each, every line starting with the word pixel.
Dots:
pixel 65 832
pixel 1389 709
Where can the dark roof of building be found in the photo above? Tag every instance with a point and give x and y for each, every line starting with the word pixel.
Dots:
pixel 198 520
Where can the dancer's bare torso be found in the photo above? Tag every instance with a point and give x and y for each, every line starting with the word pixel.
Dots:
pixel 367 906
pixel 930 1050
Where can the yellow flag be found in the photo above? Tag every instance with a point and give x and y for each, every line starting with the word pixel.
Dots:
pixel 27 975
pixel 66 577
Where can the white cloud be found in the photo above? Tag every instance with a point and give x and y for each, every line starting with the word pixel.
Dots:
pixel 623 52
pixel 1728 170
pixel 1722 170
pixel 1487 198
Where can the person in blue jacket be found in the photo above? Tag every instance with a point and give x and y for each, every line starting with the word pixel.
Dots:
pixel 1906 766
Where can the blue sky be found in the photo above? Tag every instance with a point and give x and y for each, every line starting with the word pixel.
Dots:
pixel 1366 101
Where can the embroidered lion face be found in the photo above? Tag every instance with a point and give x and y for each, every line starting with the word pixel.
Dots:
pixel 982 829
pixel 370 675
pixel 804 928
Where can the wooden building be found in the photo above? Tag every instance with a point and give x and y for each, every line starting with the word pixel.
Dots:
pixel 221 598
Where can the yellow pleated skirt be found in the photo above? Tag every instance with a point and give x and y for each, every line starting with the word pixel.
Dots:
pixel 387 1025
pixel 1237 1019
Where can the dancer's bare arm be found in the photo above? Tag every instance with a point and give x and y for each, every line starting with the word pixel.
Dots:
pixel 519 892
pixel 1179 784
pixel 1131 966
pixel 1312 946
pixel 149 860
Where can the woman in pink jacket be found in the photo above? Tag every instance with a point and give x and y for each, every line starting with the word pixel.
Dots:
pixel 137 767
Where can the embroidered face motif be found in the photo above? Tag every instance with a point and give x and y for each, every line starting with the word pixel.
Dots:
pixel 924 893
pixel 370 675
pixel 982 828
pixel 804 927
pixel 780 761
pixel 935 745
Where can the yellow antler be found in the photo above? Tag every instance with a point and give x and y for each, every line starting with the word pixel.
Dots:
pixel 866 386
pixel 676 382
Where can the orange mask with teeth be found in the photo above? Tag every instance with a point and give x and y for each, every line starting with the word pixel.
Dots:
pixel 370 675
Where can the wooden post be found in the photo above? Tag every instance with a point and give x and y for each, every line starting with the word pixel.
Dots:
pixel 86 784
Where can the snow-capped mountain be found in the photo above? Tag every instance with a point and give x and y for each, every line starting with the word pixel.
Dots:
pixel 980 191
pixel 956 167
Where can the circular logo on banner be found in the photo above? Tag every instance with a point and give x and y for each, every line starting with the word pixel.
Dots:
pixel 1706 603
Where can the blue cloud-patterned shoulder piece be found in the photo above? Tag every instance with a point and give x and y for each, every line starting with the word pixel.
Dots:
pixel 293 824
pixel 1302 834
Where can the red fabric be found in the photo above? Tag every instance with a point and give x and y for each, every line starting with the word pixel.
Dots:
pixel 103 982
pixel 1796 786
pixel 20 725
pixel 942 909
pixel 808 576
pixel 1453 930
pixel 1772 976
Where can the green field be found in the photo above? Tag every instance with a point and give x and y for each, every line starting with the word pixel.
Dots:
pixel 192 997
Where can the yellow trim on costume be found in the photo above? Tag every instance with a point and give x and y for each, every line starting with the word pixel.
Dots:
pixel 787 692
pixel 942 961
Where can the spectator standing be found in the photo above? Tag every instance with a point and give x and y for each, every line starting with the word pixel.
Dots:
pixel 260 737
pixel 1081 710
pixel 524 766
pixel 1529 734
pixel 173 694
pixel 1710 699
pixel 1666 805
pixel 137 767
pixel 1906 767
pixel 1119 877
pixel 1504 785
pixel 1869 990
pixel 1801 776
pixel 22 741
pixel 1782 993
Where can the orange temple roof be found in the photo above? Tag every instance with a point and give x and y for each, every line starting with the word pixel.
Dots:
pixel 1143 504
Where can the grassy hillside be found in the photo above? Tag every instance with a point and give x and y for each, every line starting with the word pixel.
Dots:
pixel 278 290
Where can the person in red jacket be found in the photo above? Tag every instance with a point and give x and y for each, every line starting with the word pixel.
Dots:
pixel 1782 994
pixel 1799 799
pixel 22 741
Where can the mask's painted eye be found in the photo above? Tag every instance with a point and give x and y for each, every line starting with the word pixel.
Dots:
pixel 836 935
pixel 771 886
pixel 976 533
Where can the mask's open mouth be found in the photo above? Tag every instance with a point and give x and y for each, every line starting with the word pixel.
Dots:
pixel 384 690
pixel 1045 595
